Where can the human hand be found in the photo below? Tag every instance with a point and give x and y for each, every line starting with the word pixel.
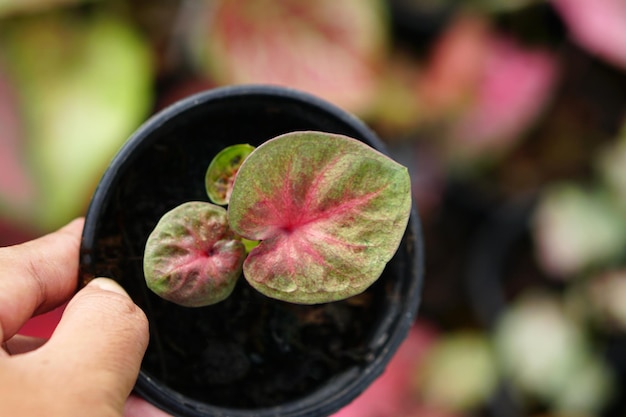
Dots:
pixel 91 362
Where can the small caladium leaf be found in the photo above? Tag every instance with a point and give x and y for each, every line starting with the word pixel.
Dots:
pixel 329 211
pixel 192 258
pixel 222 170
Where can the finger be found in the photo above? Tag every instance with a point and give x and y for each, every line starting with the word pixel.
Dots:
pixel 138 407
pixel 22 344
pixel 104 332
pixel 37 276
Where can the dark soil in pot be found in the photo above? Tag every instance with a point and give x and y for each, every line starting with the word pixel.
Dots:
pixel 248 355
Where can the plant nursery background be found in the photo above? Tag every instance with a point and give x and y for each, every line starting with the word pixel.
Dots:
pixel 510 114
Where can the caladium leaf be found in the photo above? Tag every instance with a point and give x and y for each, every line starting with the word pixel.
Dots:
pixel 222 170
pixel 192 258
pixel 333 49
pixel 329 211
pixel 79 101
pixel 597 26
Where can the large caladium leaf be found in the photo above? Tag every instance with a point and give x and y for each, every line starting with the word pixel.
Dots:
pixel 192 258
pixel 329 211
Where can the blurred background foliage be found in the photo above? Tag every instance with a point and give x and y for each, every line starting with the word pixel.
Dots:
pixel 510 114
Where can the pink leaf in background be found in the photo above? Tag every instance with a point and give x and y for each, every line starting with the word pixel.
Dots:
pixel 454 68
pixel 598 26
pixel 514 88
pixel 330 48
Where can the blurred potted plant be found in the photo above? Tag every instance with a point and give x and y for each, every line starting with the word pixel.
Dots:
pixel 334 50
pixel 546 276
pixel 248 354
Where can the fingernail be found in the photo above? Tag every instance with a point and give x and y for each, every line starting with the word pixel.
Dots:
pixel 108 284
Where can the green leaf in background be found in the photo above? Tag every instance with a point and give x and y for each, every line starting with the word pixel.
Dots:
pixel 84 84
pixel 508 5
pixel 13 7
pixel 577 228
pixel 547 354
pixel 459 372
pixel 17 190
pixel 610 163
pixel 538 345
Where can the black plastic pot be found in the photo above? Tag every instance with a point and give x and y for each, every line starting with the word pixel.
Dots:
pixel 248 355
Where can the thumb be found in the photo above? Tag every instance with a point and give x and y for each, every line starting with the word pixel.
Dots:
pixel 102 337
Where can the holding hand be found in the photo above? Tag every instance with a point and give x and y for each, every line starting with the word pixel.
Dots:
pixel 90 364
